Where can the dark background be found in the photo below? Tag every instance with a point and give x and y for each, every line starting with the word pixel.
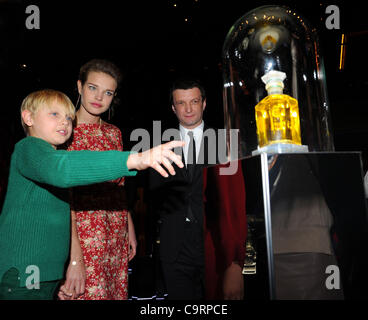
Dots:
pixel 152 42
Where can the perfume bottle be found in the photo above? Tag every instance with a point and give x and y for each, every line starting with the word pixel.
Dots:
pixel 277 115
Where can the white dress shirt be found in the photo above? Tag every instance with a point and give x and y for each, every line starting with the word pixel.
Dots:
pixel 197 134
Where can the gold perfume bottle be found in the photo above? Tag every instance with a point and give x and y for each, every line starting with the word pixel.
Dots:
pixel 277 115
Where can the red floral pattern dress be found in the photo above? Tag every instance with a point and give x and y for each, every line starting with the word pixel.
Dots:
pixel 102 220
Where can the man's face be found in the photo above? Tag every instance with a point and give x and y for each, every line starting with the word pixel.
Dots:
pixel 188 107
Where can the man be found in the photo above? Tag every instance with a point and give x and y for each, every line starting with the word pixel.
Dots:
pixel 179 199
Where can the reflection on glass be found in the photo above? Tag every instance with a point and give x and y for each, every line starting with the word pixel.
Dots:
pixel 275 38
pixel 318 223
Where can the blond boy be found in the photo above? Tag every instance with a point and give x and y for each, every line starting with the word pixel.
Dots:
pixel 34 222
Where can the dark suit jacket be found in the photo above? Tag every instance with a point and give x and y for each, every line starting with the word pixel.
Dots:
pixel 171 198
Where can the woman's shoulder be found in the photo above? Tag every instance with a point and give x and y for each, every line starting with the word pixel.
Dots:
pixel 110 126
pixel 87 128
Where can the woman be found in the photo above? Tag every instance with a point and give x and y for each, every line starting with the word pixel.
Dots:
pixel 103 237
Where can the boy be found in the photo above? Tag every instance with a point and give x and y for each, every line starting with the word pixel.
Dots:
pixel 34 222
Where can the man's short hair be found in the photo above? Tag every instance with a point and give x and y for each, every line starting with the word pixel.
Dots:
pixel 186 84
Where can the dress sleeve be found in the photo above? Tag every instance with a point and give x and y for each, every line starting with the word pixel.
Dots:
pixel 120 140
pixel 38 161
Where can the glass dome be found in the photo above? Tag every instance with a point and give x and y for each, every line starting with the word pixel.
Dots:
pixel 275 38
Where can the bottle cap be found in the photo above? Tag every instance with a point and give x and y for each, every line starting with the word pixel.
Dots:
pixel 274 81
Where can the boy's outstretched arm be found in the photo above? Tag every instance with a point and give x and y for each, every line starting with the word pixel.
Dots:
pixel 156 157
pixel 37 161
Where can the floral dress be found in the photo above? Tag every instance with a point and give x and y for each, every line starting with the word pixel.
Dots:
pixel 102 220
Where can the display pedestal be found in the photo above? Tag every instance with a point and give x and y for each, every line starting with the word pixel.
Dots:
pixel 307 226
pixel 309 210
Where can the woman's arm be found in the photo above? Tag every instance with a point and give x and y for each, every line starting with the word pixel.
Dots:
pixel 76 272
pixel 132 238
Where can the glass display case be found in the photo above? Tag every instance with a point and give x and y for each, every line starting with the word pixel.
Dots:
pixel 287 114
pixel 305 204
pixel 307 225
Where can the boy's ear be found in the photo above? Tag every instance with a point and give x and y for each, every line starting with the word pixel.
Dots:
pixel 27 117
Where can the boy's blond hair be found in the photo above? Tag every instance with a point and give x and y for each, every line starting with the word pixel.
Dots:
pixel 45 97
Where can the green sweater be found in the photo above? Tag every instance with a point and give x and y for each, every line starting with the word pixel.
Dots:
pixel 35 219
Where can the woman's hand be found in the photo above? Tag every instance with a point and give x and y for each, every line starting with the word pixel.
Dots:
pixel 157 156
pixel 63 294
pixel 74 285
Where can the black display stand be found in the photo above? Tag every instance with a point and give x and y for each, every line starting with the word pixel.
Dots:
pixel 308 206
pixel 308 203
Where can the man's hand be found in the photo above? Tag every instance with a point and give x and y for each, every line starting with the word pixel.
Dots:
pixel 233 283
